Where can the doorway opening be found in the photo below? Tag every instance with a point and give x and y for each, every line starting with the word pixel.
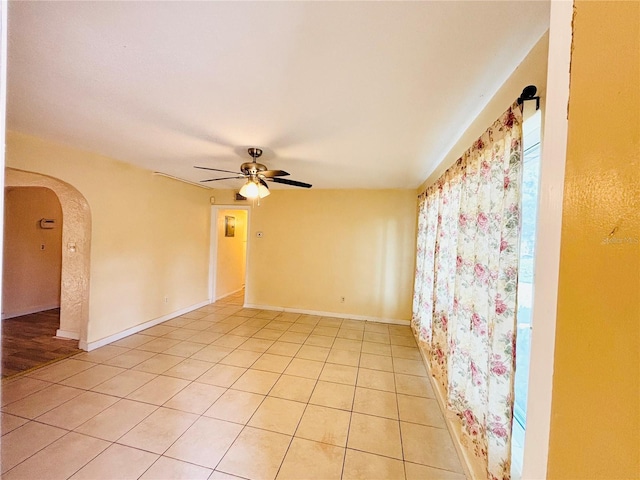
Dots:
pixel 229 236
pixel 32 264
pixel 31 286
pixel 75 251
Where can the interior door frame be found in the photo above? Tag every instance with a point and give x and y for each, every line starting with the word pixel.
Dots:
pixel 4 9
pixel 213 248
pixel 548 241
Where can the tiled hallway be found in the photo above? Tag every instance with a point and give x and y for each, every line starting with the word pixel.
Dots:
pixel 226 392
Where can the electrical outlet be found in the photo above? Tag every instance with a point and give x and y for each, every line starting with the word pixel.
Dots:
pixel 166 299
pixel 341 299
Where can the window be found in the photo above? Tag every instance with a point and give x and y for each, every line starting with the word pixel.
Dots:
pixel 530 189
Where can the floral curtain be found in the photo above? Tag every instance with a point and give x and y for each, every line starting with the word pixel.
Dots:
pixel 464 306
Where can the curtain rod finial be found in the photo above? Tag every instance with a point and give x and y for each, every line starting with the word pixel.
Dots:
pixel 529 93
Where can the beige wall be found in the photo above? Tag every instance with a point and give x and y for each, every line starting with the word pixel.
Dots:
pixel 231 256
pixel 321 245
pixel 150 234
pixel 595 417
pixel 31 274
pixel 532 71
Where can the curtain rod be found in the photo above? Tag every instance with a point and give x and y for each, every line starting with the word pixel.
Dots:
pixel 529 93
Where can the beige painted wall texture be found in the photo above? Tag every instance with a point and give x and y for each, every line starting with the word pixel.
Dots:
pixel 595 424
pixel 531 71
pixel 30 273
pixel 321 245
pixel 150 234
pixel 232 253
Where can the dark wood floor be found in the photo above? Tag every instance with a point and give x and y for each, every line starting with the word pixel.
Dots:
pixel 29 341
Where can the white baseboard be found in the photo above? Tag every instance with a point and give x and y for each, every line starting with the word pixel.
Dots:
pixel 470 464
pixel 228 294
pixel 330 314
pixel 28 311
pixel 67 334
pixel 88 346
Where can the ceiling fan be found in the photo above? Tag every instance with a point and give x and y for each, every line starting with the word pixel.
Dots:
pixel 257 176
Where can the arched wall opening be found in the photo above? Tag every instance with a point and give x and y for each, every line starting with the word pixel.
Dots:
pixel 76 250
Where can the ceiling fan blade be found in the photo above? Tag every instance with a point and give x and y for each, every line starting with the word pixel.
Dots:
pixel 290 182
pixel 263 183
pixel 215 179
pixel 217 170
pixel 274 173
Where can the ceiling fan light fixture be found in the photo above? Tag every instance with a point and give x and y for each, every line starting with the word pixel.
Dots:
pixel 263 191
pixel 250 190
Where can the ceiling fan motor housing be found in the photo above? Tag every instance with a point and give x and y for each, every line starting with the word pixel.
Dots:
pixel 252 168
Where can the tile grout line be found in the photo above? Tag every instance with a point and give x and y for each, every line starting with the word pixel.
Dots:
pixel 346 444
pixel 293 436
pixel 395 386
pixel 38 451
pixel 246 425
pixel 199 416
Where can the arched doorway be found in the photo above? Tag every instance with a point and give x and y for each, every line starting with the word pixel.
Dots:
pixel 76 250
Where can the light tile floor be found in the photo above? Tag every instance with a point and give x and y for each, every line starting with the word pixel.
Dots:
pixel 225 392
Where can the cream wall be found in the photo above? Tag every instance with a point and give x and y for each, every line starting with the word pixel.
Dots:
pixel 231 256
pixel 31 274
pixel 595 416
pixel 150 234
pixel 321 245
pixel 531 71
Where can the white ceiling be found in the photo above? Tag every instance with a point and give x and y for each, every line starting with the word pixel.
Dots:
pixel 340 94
